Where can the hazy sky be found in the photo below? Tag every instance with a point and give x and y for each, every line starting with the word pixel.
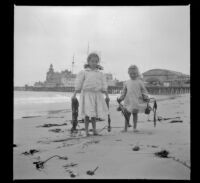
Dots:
pixel 148 36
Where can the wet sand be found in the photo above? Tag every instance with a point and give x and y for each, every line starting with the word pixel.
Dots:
pixel 112 151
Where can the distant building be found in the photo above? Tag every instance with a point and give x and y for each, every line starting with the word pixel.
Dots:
pixel 57 79
pixel 179 81
pixel 110 80
pixel 165 78
pixel 109 76
pixel 120 83
pixel 66 79
pixel 68 82
pixel 39 84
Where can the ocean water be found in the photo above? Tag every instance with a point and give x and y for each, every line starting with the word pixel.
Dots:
pixel 32 103
pixel 35 103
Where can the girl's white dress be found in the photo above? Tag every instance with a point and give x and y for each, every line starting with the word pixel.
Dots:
pixel 132 95
pixel 92 103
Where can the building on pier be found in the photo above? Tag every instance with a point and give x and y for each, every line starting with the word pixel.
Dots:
pixel 162 77
pixel 66 79
pixel 59 79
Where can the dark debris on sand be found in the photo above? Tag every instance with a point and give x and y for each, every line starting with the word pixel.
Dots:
pixel 30 116
pixel 160 118
pixel 51 125
pixel 136 148
pixel 165 154
pixel 91 172
pixel 176 121
pixel 70 165
pixel 72 174
pixel 57 130
pixel 40 164
pixel 162 154
pixel 55 117
pixel 97 119
pixel 30 152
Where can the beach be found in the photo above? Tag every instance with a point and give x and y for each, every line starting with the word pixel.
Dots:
pixel 112 153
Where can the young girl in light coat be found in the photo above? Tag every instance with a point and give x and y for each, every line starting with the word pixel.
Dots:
pixel 133 94
pixel 92 84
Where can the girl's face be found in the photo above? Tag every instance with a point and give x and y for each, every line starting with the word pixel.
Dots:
pixel 93 61
pixel 133 73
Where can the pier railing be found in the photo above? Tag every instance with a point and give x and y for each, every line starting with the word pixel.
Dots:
pixel 157 90
pixel 168 90
pixel 154 90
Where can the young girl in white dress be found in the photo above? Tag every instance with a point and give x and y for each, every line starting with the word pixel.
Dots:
pixel 92 84
pixel 133 95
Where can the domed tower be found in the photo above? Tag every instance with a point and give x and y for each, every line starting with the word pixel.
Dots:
pixel 50 73
pixel 51 68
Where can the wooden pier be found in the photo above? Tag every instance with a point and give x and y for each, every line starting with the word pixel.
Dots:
pixel 168 90
pixel 154 90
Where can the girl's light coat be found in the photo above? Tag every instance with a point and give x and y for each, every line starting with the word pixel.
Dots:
pixel 132 95
pixel 92 83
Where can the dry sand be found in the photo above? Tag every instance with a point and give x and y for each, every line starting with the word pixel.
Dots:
pixel 112 151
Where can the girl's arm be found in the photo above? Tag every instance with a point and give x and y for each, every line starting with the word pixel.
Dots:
pixel 144 91
pixel 74 94
pixel 79 83
pixel 106 93
pixel 123 94
pixel 105 86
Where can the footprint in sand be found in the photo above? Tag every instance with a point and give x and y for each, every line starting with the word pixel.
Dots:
pixel 153 146
pixel 56 130
pixel 67 145
pixel 90 142
pixel 72 174
pixel 143 133
pixel 118 140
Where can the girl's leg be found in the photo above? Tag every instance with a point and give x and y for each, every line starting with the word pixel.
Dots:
pixel 86 125
pixel 94 125
pixel 135 119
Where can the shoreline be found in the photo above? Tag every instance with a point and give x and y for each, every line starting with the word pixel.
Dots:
pixel 58 107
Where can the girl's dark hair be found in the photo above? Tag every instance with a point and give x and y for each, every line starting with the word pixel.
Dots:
pixel 93 55
pixel 89 57
pixel 98 66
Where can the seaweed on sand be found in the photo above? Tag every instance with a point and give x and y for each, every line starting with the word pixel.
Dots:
pixel 40 164
pixel 97 119
pixel 30 116
pixel 70 165
pixel 50 125
pixel 57 130
pixel 165 153
pixel 176 121
pixel 55 117
pixel 162 154
pixel 91 172
pixel 136 148
pixel 72 174
pixel 160 118
pixel 31 152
